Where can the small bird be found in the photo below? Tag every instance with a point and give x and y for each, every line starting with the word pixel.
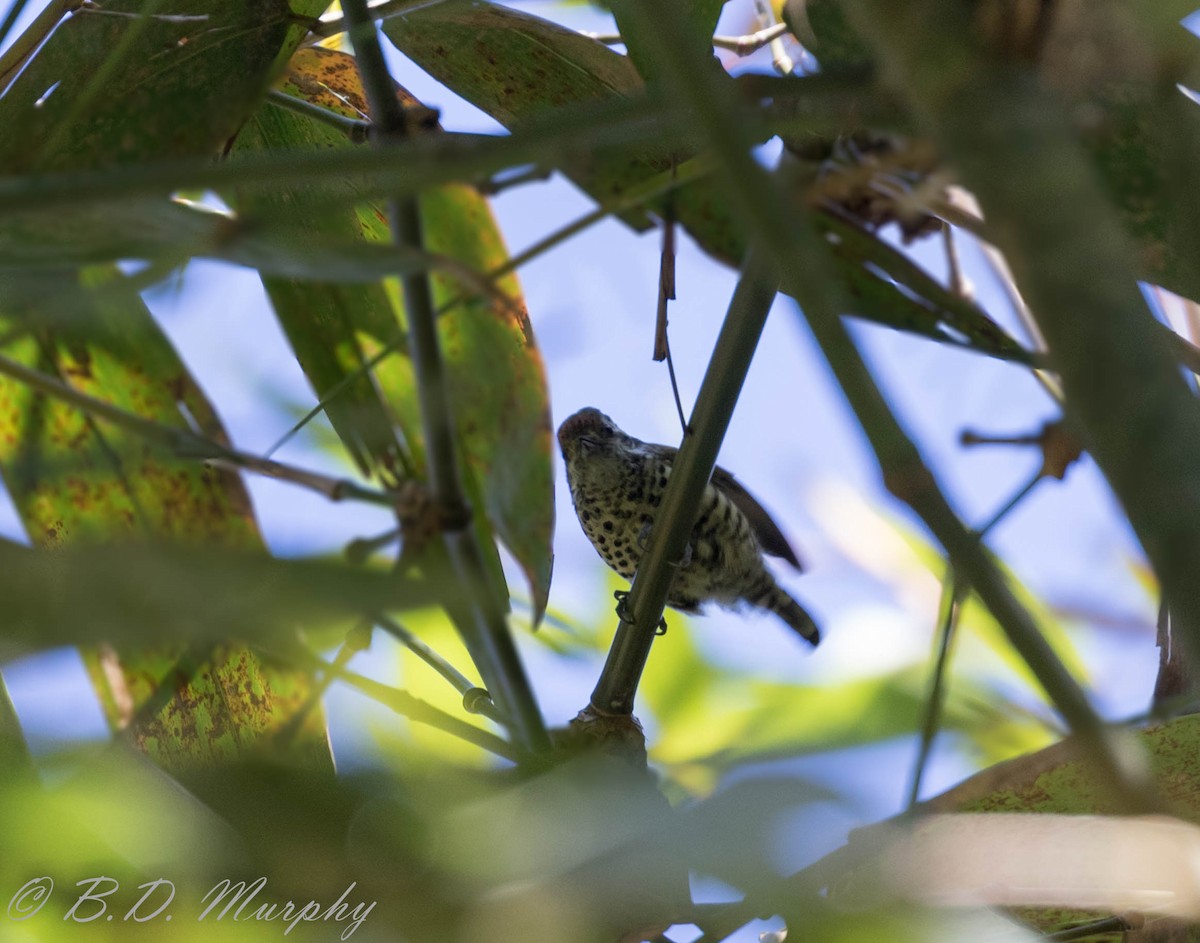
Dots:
pixel 617 483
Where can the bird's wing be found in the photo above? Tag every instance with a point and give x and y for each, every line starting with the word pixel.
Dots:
pixel 770 537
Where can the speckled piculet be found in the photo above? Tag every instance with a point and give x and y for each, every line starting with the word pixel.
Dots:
pixel 617 483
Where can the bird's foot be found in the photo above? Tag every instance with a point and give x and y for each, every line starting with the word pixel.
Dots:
pixel 622 598
pixel 623 613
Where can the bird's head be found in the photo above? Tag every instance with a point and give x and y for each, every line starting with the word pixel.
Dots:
pixel 589 439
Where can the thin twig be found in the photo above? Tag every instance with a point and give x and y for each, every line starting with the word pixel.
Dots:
pixel 752 42
pixel 354 129
pixel 955 279
pixel 1018 496
pixel 414 708
pixel 475 699
pixel 740 46
pixel 675 386
pixel 779 58
pixel 494 186
pixel 948 609
pixel 352 646
pixel 392 347
pixel 188 444
pixel 485 629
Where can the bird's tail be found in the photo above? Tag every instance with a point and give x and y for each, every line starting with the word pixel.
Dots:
pixel 770 596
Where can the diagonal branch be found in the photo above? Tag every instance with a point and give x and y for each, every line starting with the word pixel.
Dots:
pixel 188 444
pixel 614 693
pixel 778 222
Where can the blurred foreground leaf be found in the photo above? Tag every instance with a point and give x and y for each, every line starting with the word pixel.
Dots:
pixel 137 594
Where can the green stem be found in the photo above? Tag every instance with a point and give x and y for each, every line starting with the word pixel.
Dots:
pixel 948 609
pixel 484 626
pixel 693 467
pixel 420 162
pixel 475 699
pixel 357 131
pixel 1020 495
pixel 414 708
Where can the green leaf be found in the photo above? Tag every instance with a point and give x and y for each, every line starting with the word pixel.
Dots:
pixel 497 380
pixel 515 66
pixel 135 593
pixel 112 85
pixel 702 16
pixel 77 480
pixel 109 88
pixel 511 64
pixel 491 56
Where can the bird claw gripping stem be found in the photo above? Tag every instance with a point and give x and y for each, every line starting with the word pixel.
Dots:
pixel 623 613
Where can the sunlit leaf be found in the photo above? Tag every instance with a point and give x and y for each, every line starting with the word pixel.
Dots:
pixel 75 480
pixel 498 384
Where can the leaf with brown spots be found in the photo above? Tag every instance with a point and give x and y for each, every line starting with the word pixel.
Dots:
pixel 76 480
pixel 109 88
pixel 498 385
pixel 180 87
pixel 516 66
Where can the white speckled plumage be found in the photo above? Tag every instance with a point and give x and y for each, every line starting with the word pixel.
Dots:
pixel 617 484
